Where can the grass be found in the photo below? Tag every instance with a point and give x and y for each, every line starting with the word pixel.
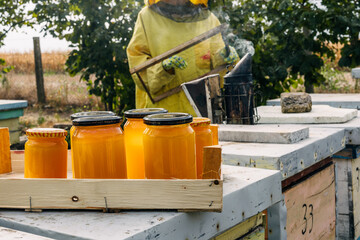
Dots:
pixel 64 95
pixel 53 62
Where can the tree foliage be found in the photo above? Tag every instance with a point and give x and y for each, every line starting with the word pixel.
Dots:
pixel 99 31
pixel 13 15
pixel 290 38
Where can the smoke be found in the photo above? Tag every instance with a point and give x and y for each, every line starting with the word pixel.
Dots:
pixel 241 45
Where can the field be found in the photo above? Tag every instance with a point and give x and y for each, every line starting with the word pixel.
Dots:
pixel 66 95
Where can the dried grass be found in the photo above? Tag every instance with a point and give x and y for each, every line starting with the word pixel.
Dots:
pixel 53 62
pixel 62 91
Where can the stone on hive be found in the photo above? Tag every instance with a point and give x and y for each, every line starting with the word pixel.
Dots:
pixel 295 102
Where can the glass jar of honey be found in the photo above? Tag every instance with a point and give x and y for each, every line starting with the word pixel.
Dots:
pixel 46 153
pixel 81 115
pixel 88 114
pixel 203 137
pixel 98 148
pixel 169 146
pixel 133 132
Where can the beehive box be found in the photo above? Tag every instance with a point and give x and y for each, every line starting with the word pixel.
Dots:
pixel 180 194
pixel 10 111
pixel 347 164
pixel 298 163
pixel 310 203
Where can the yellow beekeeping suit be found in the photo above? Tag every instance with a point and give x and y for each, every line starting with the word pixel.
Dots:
pixel 155 34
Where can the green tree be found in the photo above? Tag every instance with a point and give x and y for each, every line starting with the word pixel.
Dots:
pixel 290 38
pixel 99 32
pixel 13 14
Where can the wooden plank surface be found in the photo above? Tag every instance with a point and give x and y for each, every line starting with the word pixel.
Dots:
pixel 241 229
pixel 356 195
pixel 257 234
pixel 112 194
pixel 311 207
pixel 184 194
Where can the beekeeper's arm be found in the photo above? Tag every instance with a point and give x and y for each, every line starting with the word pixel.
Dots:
pixel 154 77
pixel 219 54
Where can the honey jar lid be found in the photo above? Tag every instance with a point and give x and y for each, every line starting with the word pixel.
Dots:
pixel 143 112
pixel 200 122
pixel 96 121
pixel 46 132
pixel 168 119
pixel 91 114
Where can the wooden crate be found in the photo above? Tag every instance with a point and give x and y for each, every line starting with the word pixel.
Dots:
pixel 310 206
pixel 347 170
pixel 184 194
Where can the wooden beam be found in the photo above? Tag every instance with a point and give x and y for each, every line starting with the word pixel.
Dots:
pixel 39 71
pixel 212 162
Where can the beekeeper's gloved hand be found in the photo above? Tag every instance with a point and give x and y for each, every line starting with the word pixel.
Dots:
pixel 174 62
pixel 232 57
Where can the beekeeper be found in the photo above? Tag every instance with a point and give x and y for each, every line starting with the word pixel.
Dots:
pixel 162 25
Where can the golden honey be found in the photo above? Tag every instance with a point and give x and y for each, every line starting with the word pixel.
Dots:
pixel 81 115
pixel 133 132
pixel 203 137
pixel 98 148
pixel 169 146
pixel 46 153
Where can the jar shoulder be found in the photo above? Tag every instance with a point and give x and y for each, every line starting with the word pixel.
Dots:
pixel 169 132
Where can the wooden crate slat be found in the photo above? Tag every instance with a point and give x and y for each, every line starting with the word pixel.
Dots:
pixel 180 194
pixel 120 194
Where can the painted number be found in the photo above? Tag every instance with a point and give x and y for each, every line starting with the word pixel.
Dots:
pixel 307 218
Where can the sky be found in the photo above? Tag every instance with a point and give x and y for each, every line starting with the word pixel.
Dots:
pixel 22 41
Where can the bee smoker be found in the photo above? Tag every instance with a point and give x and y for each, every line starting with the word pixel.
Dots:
pixel 238 93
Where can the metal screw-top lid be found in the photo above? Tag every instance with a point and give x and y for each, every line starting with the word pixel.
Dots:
pixel 46 132
pixel 143 112
pixel 91 114
pixel 96 121
pixel 200 122
pixel 168 119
